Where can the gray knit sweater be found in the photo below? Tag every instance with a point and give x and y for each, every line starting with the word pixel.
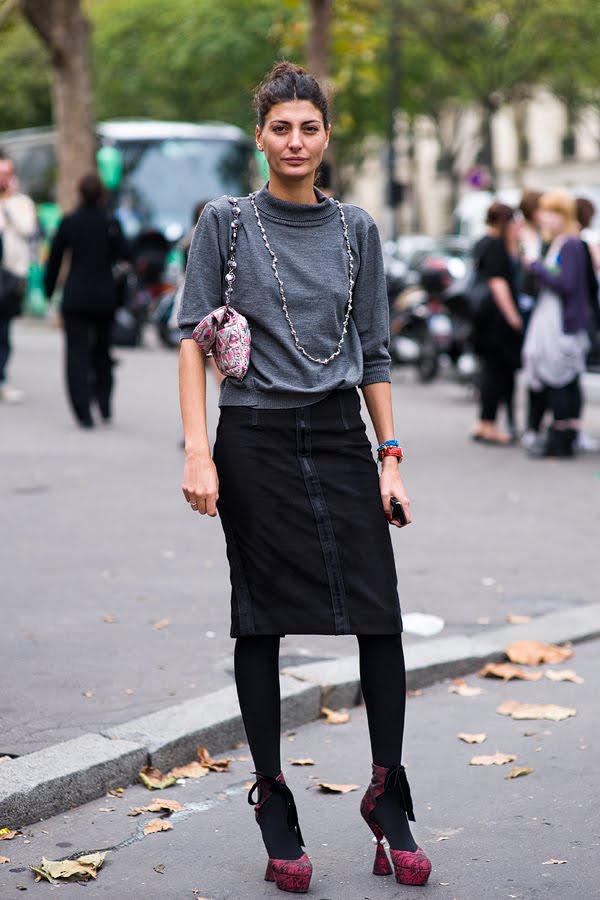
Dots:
pixel 312 260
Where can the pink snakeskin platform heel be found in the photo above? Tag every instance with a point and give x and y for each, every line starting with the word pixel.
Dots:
pixel 292 875
pixel 411 868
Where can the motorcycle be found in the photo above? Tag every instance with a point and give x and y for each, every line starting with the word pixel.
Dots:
pixel 143 286
pixel 164 317
pixel 424 329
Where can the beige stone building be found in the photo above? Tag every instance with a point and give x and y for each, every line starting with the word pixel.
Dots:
pixel 551 154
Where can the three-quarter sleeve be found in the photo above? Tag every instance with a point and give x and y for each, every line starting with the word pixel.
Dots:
pixel 564 279
pixel 370 311
pixel 203 288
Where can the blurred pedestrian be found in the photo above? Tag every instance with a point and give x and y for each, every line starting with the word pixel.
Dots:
pixel 304 513
pixel 557 339
pixel 18 225
pixel 95 242
pixel 498 331
pixel 586 211
pixel 530 247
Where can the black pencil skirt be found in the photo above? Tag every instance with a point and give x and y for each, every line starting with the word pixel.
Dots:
pixel 308 542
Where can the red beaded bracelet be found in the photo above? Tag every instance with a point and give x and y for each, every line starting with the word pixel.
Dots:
pixel 390 451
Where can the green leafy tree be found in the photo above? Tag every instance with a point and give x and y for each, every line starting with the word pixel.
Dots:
pixel 24 77
pixel 182 60
pixel 498 51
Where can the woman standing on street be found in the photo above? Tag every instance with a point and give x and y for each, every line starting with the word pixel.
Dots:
pixel 498 333
pixel 95 242
pixel 557 339
pixel 305 515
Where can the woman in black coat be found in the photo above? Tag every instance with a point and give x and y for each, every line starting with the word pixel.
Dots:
pixel 95 242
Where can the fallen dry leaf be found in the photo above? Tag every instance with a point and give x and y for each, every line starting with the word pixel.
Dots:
pixel 192 770
pixel 154 779
pixel 158 805
pixel 417 692
pixel 471 738
pixel 162 623
pixel 7 835
pixel 459 686
pixel 215 765
pixel 117 792
pixel 301 762
pixel 519 771
pixel 110 618
pixel 498 759
pixel 334 716
pixel 106 809
pixel 337 788
pixel 536 653
pixel 555 862
pixel 518 620
pixel 156 825
pixel 521 711
pixel 55 871
pixel 507 671
pixel 564 675
pixel 160 868
pixel 4 859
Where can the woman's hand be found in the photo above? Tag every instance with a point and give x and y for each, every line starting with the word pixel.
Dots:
pixel 390 485
pixel 201 484
pixel 515 321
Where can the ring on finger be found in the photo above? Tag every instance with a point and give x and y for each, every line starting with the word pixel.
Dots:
pixel 194 505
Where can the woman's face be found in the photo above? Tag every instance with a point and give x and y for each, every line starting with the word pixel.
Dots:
pixel 552 223
pixel 293 139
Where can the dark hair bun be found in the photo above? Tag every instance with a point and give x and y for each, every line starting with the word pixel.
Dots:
pixel 283 68
pixel 287 81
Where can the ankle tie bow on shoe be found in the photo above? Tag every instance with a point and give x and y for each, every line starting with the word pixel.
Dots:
pixel 410 866
pixel 267 786
pixel 396 781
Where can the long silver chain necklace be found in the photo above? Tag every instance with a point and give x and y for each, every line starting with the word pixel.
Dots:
pixel 284 305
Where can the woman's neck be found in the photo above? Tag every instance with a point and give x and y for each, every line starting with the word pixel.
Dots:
pixel 293 191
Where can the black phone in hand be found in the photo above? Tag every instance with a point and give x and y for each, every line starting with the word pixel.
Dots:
pixel 398 513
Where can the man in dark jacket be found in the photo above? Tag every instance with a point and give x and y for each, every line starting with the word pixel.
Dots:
pixel 95 242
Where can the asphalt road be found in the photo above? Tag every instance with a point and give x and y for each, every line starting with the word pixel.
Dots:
pixel 98 546
pixel 487 837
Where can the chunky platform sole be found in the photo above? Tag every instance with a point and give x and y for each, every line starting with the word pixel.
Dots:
pixel 291 875
pixel 413 868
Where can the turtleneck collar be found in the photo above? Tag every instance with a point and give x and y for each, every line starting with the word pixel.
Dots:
pixel 295 213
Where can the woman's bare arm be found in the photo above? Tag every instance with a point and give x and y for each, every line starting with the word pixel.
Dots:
pixel 505 303
pixel 200 481
pixel 378 398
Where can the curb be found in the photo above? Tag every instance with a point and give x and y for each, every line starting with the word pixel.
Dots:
pixel 49 781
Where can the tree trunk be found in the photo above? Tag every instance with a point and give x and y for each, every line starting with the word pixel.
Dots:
pixel 319 38
pixel 65 31
pixel 487 153
pixel 520 120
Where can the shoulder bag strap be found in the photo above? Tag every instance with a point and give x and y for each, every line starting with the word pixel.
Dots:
pixel 231 263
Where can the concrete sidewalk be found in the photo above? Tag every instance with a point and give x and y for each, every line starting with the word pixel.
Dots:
pixel 487 837
pixel 98 548
pixel 50 781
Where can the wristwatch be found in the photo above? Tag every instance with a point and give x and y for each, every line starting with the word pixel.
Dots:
pixel 390 451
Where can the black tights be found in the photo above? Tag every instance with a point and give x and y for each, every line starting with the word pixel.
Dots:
pixel 383 683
